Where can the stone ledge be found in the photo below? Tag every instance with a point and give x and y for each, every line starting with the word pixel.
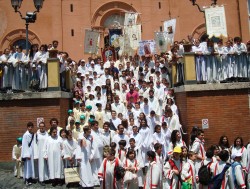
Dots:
pixel 35 95
pixel 212 87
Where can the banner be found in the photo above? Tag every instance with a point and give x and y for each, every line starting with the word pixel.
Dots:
pixel 130 18
pixel 147 48
pixel 161 41
pixel 114 34
pixel 216 21
pixel 133 35
pixel 169 27
pixel 91 42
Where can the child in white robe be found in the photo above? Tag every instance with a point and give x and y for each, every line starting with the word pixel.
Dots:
pixel 122 151
pixel 16 156
pixel 172 170
pixel 131 165
pixel 188 173
pixel 236 174
pixel 107 171
pixel 152 179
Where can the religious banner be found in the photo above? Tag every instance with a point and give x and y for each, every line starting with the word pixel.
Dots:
pixel 133 34
pixel 169 27
pixel 130 18
pixel 114 34
pixel 216 21
pixel 147 48
pixel 161 41
pixel 91 42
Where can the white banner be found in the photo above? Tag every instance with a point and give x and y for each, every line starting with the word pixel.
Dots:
pixel 216 21
pixel 147 47
pixel 91 42
pixel 130 18
pixel 161 41
pixel 169 27
pixel 133 34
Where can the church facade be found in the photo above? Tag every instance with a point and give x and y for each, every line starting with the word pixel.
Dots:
pixel 66 20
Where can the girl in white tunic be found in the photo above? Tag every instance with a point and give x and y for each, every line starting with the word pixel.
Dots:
pixel 53 154
pixel 40 138
pixel 85 141
pixel 132 165
pixel 238 147
pixel 175 141
pixel 146 145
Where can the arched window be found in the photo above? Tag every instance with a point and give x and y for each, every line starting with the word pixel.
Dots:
pixel 22 43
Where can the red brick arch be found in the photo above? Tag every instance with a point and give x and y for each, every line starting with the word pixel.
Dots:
pixel 199 31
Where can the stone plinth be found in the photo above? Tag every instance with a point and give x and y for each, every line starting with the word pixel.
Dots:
pixel 226 106
pixel 20 108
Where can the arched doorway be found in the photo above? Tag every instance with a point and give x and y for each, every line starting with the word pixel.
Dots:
pixel 110 14
pixel 18 37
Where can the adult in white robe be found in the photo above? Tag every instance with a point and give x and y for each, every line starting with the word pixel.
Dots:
pixel 40 138
pixel 41 61
pixel 20 60
pixel 53 152
pixel 146 145
pixel 5 61
pixel 85 142
pixel 97 155
pixel 28 153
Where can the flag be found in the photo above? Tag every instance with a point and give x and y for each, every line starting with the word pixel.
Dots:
pixel 169 28
pixel 130 18
pixel 133 35
pixel 114 34
pixel 216 21
pixel 161 41
pixel 91 42
pixel 147 47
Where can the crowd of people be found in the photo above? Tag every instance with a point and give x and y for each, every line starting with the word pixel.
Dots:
pixel 123 128
pixel 215 63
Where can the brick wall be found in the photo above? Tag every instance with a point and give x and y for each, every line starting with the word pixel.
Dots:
pixel 16 113
pixel 226 110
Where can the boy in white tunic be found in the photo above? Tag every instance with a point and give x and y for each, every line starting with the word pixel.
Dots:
pixel 28 154
pixel 16 156
pixel 107 171
pixel 152 179
pixel 236 174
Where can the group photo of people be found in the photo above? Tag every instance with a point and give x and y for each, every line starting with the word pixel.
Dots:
pixel 123 128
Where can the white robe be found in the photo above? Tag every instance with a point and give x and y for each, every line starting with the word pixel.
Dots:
pixel 7 70
pixel 16 156
pixel 84 153
pixel 40 139
pixel 69 150
pixel 106 174
pixel 154 105
pixel 28 152
pixel 97 155
pixel 135 164
pixel 152 179
pixel 41 61
pixel 146 143
pixel 54 152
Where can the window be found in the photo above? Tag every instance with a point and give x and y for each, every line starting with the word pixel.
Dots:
pixel 22 43
pixel 159 4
